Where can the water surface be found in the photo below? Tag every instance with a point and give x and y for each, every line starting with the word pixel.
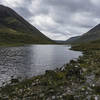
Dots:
pixel 28 61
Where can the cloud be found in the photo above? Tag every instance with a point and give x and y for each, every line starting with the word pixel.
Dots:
pixel 12 3
pixel 58 19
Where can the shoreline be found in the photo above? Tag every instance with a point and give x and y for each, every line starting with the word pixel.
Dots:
pixel 77 81
pixel 22 44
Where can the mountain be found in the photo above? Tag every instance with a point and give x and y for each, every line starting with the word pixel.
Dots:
pixel 72 39
pixel 60 41
pixel 92 35
pixel 15 30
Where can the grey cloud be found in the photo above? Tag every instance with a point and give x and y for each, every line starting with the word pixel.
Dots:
pixel 24 12
pixel 70 17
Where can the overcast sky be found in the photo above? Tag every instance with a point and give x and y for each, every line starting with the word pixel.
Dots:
pixel 58 19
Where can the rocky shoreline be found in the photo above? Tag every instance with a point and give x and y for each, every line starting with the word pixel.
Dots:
pixel 78 80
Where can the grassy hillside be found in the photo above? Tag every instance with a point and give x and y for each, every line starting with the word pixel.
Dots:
pixel 92 35
pixel 15 30
pixel 72 39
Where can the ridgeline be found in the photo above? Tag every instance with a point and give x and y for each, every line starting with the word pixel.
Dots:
pixel 16 30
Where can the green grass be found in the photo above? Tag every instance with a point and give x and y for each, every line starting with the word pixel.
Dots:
pixel 10 20
pixel 11 37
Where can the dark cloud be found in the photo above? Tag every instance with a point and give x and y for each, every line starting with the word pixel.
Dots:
pixel 58 19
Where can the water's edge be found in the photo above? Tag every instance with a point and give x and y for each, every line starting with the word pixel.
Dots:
pixel 9 52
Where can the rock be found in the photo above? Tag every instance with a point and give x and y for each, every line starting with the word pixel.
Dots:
pixel 33 84
pixel 48 98
pixel 83 89
pixel 96 98
pixel 62 68
pixel 93 85
pixel 14 81
pixel 51 91
pixel 84 69
pixel 53 97
pixel 60 96
pixel 42 95
pixel 76 66
pixel 37 80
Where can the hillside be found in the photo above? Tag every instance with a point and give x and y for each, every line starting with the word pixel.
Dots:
pixel 15 30
pixel 92 35
pixel 72 39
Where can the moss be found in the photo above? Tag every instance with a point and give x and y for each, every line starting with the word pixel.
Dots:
pixel 68 97
pixel 11 20
pixel 97 89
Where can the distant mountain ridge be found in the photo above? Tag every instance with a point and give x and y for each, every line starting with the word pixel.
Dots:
pixel 72 39
pixel 92 35
pixel 15 29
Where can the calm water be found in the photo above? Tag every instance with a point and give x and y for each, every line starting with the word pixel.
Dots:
pixel 33 60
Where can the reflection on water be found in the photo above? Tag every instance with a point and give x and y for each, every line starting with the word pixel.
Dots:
pixel 32 60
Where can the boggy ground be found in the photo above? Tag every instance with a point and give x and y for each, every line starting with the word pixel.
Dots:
pixel 78 80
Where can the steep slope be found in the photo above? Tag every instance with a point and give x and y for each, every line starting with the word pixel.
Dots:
pixel 14 29
pixel 92 35
pixel 72 39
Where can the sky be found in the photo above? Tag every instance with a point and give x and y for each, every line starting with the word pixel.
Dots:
pixel 58 19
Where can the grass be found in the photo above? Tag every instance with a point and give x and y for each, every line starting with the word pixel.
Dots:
pixel 10 37
pixel 10 20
